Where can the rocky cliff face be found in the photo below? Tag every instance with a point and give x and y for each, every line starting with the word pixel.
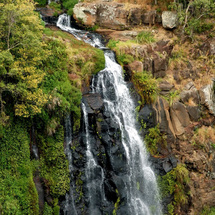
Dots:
pixel 117 16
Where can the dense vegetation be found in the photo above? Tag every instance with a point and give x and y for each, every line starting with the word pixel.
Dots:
pixel 42 72
pixel 41 80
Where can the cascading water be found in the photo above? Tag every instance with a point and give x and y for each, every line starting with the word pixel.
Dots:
pixel 69 208
pixel 141 191
pixel 94 173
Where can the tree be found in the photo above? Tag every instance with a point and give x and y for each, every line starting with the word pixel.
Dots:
pixel 193 15
pixel 21 54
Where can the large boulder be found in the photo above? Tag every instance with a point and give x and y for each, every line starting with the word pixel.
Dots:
pixel 180 117
pixel 113 15
pixel 165 87
pixel 107 15
pixel 169 19
pixel 162 116
pixel 207 97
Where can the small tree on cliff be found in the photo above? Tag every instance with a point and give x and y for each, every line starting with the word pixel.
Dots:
pixel 192 17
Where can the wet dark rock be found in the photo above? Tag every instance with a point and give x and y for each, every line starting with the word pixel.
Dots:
pixel 40 191
pixel 169 164
pixel 110 190
pixel 135 96
pixel 146 117
pixel 48 15
pixel 93 101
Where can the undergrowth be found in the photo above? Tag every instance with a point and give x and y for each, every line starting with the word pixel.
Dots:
pixel 154 139
pixel 175 183
pixel 146 85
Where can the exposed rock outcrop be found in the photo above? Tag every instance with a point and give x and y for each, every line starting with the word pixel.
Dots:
pixel 155 57
pixel 169 19
pixel 207 97
pixel 113 15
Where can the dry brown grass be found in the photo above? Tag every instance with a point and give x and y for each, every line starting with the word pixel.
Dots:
pixel 204 136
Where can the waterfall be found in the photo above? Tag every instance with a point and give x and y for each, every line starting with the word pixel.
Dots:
pixel 142 190
pixel 69 207
pixel 94 173
pixel 141 196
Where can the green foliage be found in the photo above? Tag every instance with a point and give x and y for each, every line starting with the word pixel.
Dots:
pixel 99 60
pixel 146 85
pixel 54 166
pixel 155 138
pixel 116 205
pixel 56 7
pixel 202 27
pixel 112 43
pixel 124 59
pixel 175 182
pixel 172 96
pixel 145 37
pixel 20 43
pixel 208 211
pixel 41 2
pixel 193 17
pixel 48 210
pixel 93 28
pixel 18 192
pixel 69 5
pixel 170 208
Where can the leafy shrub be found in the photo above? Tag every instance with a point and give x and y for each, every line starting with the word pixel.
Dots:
pixel 55 6
pixel 112 43
pixel 155 138
pixel 208 211
pixel 41 2
pixel 93 28
pixel 99 60
pixel 54 165
pixel 146 85
pixel 18 191
pixel 124 59
pixel 175 182
pixel 69 5
pixel 203 27
pixel 145 37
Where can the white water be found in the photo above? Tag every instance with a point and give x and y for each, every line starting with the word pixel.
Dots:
pixel 94 173
pixel 118 102
pixel 141 187
pixel 69 208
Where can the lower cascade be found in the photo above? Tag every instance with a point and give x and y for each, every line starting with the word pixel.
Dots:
pixel 125 182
